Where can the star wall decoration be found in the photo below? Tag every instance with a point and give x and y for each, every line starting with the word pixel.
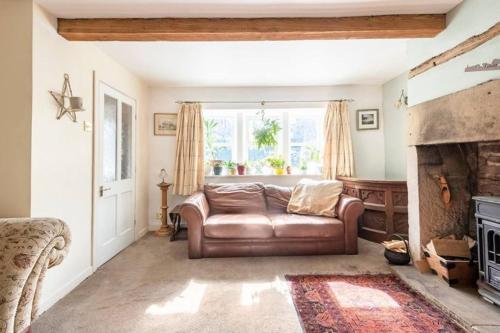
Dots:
pixel 65 99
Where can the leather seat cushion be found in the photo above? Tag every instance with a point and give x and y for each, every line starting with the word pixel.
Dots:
pixel 238 226
pixel 293 225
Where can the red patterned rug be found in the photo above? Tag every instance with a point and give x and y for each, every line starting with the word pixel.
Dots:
pixel 365 304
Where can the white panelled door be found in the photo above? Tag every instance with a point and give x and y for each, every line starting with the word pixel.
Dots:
pixel 115 174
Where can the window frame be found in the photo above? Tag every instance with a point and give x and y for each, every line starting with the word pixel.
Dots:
pixel 241 139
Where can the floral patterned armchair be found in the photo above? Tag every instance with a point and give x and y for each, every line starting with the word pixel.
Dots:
pixel 27 248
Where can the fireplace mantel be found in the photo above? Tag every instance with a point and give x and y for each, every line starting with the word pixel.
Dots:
pixel 470 115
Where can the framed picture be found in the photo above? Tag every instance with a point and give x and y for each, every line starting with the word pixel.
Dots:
pixel 367 119
pixel 165 123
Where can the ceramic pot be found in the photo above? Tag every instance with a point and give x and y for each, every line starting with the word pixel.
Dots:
pixel 241 170
pixel 279 171
pixel 217 170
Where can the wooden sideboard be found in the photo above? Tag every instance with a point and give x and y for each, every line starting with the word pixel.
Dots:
pixel 386 207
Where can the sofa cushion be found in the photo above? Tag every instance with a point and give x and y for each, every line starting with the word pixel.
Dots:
pixel 315 197
pixel 236 198
pixel 277 198
pixel 238 226
pixel 292 225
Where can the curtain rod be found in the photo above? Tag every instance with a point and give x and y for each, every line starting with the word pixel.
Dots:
pixel 266 102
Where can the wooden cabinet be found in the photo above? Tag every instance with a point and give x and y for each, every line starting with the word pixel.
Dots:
pixel 386 207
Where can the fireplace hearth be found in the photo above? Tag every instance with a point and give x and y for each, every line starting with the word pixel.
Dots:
pixel 449 175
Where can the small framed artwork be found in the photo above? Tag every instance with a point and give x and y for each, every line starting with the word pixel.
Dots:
pixel 165 123
pixel 367 119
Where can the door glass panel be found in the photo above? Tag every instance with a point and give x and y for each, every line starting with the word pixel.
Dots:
pixel 109 138
pixel 126 137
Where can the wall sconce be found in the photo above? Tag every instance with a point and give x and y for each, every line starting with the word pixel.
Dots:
pixel 403 100
pixel 68 104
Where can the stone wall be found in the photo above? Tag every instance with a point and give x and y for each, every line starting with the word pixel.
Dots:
pixel 470 169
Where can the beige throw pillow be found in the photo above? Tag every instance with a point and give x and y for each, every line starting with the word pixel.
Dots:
pixel 313 197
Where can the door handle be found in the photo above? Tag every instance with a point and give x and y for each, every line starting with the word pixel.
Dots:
pixel 102 189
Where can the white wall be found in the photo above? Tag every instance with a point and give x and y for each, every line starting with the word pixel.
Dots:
pixel 15 110
pixel 395 124
pixel 470 18
pixel 368 145
pixel 62 151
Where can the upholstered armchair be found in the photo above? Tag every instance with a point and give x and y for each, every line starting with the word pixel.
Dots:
pixel 28 247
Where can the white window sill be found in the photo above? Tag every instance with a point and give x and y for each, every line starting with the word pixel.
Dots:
pixel 280 180
pixel 262 176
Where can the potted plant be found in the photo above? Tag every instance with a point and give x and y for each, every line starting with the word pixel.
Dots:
pixel 217 165
pixel 241 168
pixel 231 168
pixel 278 164
pixel 267 134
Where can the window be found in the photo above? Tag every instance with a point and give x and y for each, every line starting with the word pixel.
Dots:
pixel 220 135
pixel 253 122
pixel 230 136
pixel 306 137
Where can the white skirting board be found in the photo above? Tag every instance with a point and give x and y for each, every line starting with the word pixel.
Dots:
pixel 64 290
pixel 141 233
pixel 154 225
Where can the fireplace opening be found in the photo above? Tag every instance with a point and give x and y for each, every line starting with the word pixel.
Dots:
pixel 449 175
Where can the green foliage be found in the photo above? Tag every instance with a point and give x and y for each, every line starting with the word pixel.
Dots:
pixel 266 135
pixel 230 165
pixel 218 163
pixel 276 162
pixel 210 126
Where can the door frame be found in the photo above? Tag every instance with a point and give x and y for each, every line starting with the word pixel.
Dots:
pixel 96 105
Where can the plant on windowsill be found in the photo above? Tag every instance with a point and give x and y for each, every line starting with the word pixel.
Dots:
pixel 278 164
pixel 217 165
pixel 231 168
pixel 241 168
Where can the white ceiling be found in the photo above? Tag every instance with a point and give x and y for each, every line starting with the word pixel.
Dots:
pixel 291 63
pixel 285 63
pixel 242 8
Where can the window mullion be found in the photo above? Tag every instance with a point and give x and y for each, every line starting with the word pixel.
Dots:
pixel 240 137
pixel 286 137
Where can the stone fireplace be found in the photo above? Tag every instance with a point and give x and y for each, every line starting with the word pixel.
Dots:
pixel 454 154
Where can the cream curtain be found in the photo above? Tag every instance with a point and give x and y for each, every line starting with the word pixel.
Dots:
pixel 189 166
pixel 338 158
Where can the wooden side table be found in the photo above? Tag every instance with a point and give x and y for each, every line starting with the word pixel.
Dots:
pixel 175 217
pixel 165 229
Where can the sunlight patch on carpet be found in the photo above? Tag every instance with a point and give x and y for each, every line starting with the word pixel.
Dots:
pixel 251 292
pixel 187 302
pixel 352 296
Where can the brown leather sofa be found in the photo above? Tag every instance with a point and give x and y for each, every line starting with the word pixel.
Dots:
pixel 228 220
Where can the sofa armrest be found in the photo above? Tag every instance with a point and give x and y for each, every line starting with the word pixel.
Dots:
pixel 29 247
pixel 349 209
pixel 195 211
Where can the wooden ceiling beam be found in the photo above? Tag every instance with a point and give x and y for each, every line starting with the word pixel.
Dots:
pixel 251 29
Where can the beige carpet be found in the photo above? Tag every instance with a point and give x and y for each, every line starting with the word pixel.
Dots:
pixel 152 287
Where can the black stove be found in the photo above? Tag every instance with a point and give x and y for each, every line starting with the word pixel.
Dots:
pixel 488 238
